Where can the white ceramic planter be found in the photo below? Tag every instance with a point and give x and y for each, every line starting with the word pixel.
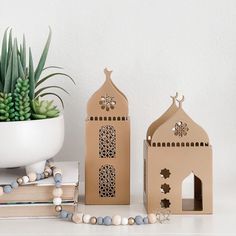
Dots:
pixel 30 143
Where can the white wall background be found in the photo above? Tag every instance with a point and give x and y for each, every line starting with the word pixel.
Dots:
pixel 155 48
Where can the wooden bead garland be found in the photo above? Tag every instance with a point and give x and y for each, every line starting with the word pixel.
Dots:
pixel 76 217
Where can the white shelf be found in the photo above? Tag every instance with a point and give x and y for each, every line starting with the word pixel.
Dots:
pixel 222 222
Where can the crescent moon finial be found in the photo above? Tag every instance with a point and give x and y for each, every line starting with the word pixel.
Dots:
pixel 180 101
pixel 107 73
pixel 174 97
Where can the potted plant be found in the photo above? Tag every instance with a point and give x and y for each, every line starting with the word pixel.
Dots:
pixel 31 127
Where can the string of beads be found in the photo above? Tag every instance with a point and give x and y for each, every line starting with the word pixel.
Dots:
pixel 78 217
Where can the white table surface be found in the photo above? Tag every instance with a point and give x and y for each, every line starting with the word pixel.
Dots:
pixel 222 222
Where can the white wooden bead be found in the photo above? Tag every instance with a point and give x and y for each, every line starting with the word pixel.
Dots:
pixel 124 221
pixel 77 218
pixel 57 201
pixel 32 176
pixel 1 191
pixel 57 171
pixel 25 179
pixel 57 192
pixel 116 220
pixel 152 219
pixel 86 218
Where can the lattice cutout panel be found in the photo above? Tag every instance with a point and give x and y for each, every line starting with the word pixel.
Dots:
pixel 107 142
pixel 107 181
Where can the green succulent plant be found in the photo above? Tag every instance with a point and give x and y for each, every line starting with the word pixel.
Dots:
pixel 21 86
pixel 44 109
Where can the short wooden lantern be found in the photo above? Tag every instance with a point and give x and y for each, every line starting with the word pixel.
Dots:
pixel 175 148
pixel 107 165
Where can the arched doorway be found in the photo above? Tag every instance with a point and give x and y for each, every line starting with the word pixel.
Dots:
pixel 192 193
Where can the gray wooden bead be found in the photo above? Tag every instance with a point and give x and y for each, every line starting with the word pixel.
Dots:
pixel 14 184
pixel 138 220
pixel 69 216
pixel 58 177
pixel 107 220
pixel 42 176
pixel 145 220
pixel 38 176
pixel 7 189
pixel 63 214
pixel 100 220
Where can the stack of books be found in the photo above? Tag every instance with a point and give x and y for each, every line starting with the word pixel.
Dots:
pixel 35 199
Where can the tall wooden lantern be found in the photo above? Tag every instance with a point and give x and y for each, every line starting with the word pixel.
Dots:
pixel 107 165
pixel 175 148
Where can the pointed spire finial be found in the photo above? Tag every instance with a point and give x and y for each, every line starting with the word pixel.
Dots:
pixel 174 98
pixel 107 73
pixel 180 101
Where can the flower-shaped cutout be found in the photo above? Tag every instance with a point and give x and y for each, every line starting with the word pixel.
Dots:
pixel 165 203
pixel 165 188
pixel 107 102
pixel 165 173
pixel 181 129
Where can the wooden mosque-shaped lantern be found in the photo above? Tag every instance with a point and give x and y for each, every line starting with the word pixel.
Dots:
pixel 177 149
pixel 107 164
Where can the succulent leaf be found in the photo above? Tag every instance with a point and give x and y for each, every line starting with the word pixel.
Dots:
pixel 1 86
pixel 4 56
pixel 52 67
pixel 37 93
pixel 43 57
pixel 54 74
pixel 31 75
pixel 20 68
pixel 15 74
pixel 53 94
pixel 23 55
pixel 7 84
pixel 9 47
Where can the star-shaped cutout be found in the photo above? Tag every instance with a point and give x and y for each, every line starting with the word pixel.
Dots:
pixel 165 173
pixel 165 188
pixel 165 203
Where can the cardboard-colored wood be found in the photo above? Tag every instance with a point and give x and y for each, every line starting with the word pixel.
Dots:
pixel 107 164
pixel 175 147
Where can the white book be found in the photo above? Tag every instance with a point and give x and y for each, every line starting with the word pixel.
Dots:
pixel 41 191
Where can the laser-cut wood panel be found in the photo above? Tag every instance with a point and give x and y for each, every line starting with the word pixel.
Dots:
pixel 107 163
pixel 174 147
